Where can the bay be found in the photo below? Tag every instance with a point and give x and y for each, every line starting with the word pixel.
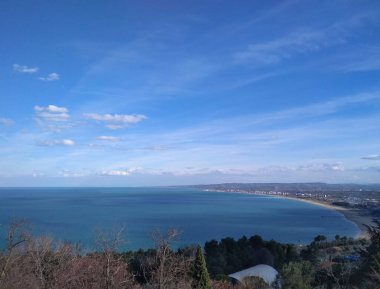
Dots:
pixel 74 214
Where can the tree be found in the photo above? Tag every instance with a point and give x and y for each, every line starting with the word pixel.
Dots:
pixel 166 269
pixel 254 282
pixel 371 265
pixel 222 284
pixel 112 270
pixel 17 236
pixel 338 275
pixel 320 238
pixel 298 275
pixel 201 278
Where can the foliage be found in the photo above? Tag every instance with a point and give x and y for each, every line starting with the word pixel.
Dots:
pixel 230 255
pixel 254 282
pixel 370 271
pixel 167 269
pixel 297 275
pixel 201 278
pixel 320 238
pixel 42 263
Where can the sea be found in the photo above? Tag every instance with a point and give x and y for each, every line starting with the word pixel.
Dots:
pixel 77 215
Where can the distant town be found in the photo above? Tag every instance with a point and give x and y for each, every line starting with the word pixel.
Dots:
pixel 363 198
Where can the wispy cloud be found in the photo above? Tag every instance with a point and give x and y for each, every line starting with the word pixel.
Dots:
pixel 361 66
pixel 74 174
pixel 108 138
pixel 327 107
pixel 57 142
pixel 25 69
pixel 52 113
pixel 360 60
pixel 116 121
pixel 234 125
pixel 322 167
pixel 50 77
pixel 274 51
pixel 226 171
pixel 372 158
pixel 6 121
pixel 119 172
pixel 156 148
pixel 298 42
pixel 369 169
pixel 52 117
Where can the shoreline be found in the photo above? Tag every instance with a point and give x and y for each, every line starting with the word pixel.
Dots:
pixel 352 215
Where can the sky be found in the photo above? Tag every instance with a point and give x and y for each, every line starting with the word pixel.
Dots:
pixel 146 93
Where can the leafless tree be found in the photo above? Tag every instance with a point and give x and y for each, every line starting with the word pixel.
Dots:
pixel 374 277
pixel 340 273
pixel 17 235
pixel 114 269
pixel 167 269
pixel 42 263
pixel 49 261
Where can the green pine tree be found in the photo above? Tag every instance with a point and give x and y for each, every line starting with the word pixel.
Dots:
pixel 201 278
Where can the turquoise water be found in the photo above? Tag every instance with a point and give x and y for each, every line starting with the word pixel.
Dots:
pixel 74 214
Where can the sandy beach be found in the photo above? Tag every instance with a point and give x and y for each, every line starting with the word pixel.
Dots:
pixel 354 215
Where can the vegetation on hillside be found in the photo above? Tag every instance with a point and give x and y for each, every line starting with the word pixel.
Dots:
pixel 41 263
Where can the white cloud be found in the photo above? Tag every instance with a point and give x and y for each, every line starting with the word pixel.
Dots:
pixel 52 117
pixel 6 121
pixel 116 121
pixel 311 167
pixel 156 148
pixel 60 142
pixel 50 77
pixel 121 172
pixel 124 118
pixel 73 174
pixel 109 138
pixel 51 108
pixel 321 167
pixel 24 68
pixel 372 157
pixel 67 142
pixel 302 169
pixel 52 113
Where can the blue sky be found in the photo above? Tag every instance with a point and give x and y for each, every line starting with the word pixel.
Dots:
pixel 129 93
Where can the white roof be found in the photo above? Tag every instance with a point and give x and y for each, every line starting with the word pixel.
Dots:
pixel 266 272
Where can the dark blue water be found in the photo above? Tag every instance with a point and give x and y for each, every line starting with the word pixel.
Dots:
pixel 74 214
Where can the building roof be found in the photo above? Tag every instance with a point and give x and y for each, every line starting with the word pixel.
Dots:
pixel 266 272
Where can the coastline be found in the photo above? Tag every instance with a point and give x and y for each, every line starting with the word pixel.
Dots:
pixel 354 216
